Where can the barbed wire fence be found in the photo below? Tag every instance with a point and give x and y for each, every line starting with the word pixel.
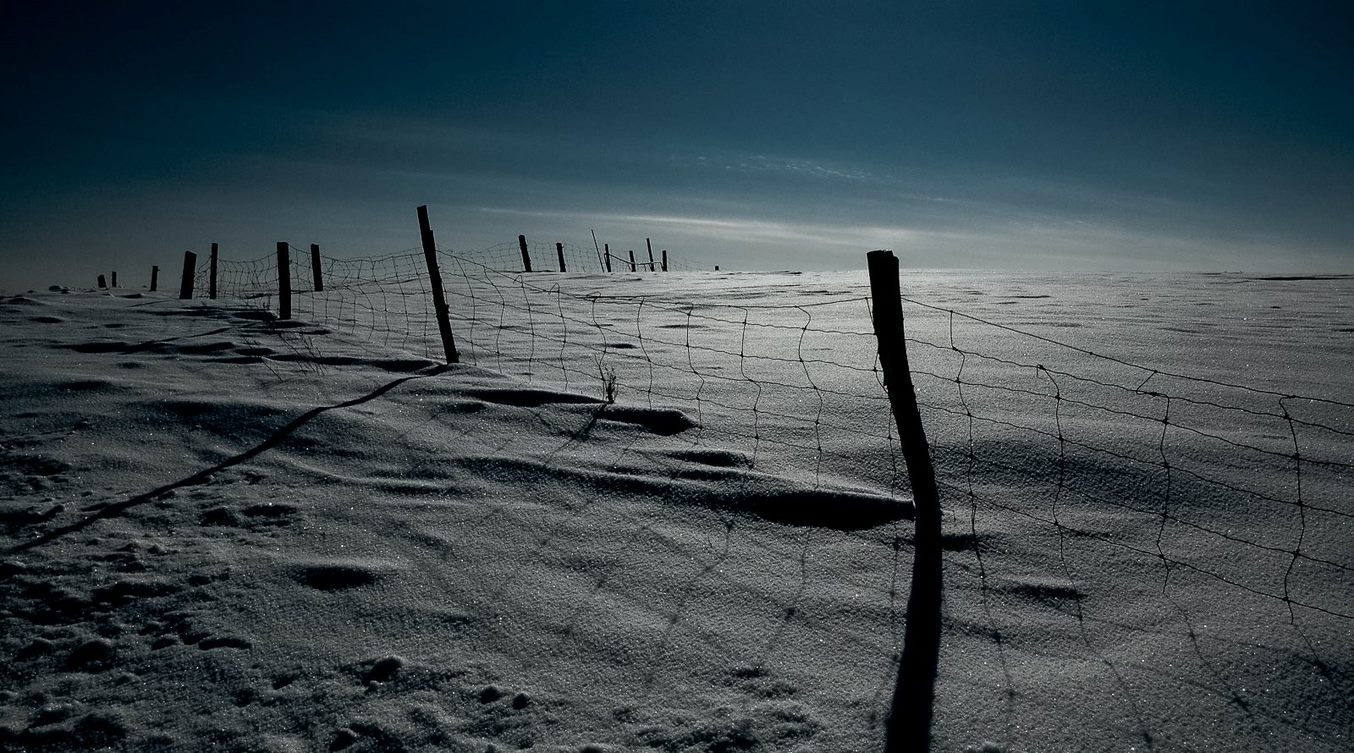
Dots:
pixel 1102 465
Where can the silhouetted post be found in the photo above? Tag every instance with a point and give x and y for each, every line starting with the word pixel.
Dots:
pixel 649 244
pixel 211 278
pixel 115 279
pixel 283 280
pixel 909 724
pixel 607 246
pixel 632 260
pixel 103 283
pixel 154 277
pixel 665 260
pixel 316 275
pixel 526 257
pixel 186 284
pixel 435 276
pixel 559 249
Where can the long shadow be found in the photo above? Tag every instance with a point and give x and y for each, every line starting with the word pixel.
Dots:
pixel 202 476
pixel 910 715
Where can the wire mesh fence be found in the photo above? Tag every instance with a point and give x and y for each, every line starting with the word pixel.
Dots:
pixel 1192 499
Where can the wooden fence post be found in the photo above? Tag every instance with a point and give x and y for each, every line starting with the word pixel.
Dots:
pixel 115 279
pixel 526 257
pixel 665 260
pixel 435 276
pixel 607 246
pixel 649 244
pixel 283 280
pixel 316 275
pixel 103 282
pixel 909 723
pixel 632 260
pixel 186 284
pixel 154 277
pixel 211 280
pixel 559 249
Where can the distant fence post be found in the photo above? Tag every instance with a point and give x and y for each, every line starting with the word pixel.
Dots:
pixel 649 244
pixel 526 257
pixel 607 246
pixel 632 260
pixel 211 279
pixel 186 284
pixel 103 282
pixel 316 276
pixel 909 723
pixel 283 280
pixel 435 276
pixel 115 279
pixel 154 277
pixel 559 249
pixel 665 260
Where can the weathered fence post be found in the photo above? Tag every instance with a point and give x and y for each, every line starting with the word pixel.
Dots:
pixel 435 276
pixel 665 260
pixel 607 246
pixel 526 257
pixel 103 282
pixel 909 723
pixel 316 276
pixel 559 249
pixel 283 280
pixel 154 277
pixel 186 283
pixel 632 260
pixel 649 245
pixel 115 279
pixel 211 279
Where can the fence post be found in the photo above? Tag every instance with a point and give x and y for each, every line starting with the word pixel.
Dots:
pixel 154 277
pixel 115 279
pixel 103 282
pixel 649 244
pixel 316 276
pixel 607 246
pixel 186 284
pixel 526 257
pixel 283 280
pixel 435 276
pixel 665 260
pixel 559 249
pixel 632 260
pixel 909 724
pixel 211 279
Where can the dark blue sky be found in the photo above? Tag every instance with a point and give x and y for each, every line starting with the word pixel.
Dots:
pixel 756 135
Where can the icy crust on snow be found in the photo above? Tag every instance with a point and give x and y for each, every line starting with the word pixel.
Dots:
pixel 224 533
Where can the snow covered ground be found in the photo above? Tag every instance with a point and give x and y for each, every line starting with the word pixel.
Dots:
pixel 226 532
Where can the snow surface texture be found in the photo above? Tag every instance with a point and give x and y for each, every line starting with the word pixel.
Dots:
pixel 229 531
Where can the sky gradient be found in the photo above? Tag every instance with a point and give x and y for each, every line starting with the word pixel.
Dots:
pixel 753 135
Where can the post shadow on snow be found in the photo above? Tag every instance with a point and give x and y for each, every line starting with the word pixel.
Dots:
pixel 202 476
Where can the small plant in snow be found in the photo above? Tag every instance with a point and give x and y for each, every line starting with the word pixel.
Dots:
pixel 608 376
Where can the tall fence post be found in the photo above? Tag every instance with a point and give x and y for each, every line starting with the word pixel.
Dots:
pixel 649 245
pixel 665 260
pixel 154 277
pixel 559 249
pixel 115 279
pixel 435 276
pixel 283 280
pixel 607 246
pixel 632 260
pixel 526 257
pixel 103 282
pixel 316 276
pixel 211 279
pixel 909 723
pixel 186 283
